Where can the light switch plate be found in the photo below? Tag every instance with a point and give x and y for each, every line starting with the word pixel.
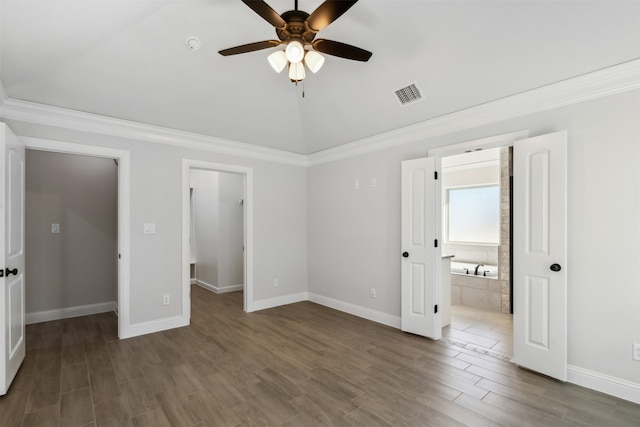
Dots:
pixel 55 228
pixel 149 228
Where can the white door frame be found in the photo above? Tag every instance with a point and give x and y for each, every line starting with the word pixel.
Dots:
pixel 187 166
pixel 124 209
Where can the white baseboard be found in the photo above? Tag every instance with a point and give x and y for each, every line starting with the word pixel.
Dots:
pixel 143 328
pixel 68 312
pixel 218 289
pixel 277 301
pixel 613 386
pixel 356 310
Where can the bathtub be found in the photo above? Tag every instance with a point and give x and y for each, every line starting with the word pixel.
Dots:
pixel 467 268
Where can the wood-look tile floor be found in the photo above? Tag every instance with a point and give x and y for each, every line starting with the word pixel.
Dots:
pixel 297 365
pixel 480 330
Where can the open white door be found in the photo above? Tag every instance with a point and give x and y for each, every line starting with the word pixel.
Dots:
pixel 12 328
pixel 540 254
pixel 420 263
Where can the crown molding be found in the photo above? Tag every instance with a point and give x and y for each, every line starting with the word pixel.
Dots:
pixel 32 112
pixel 616 79
pixel 608 81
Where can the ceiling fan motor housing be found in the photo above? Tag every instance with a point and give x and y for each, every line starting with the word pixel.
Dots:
pixel 296 27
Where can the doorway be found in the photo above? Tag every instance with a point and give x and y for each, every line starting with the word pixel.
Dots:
pixel 201 182
pixel 71 229
pixel 217 228
pixel 123 213
pixel 476 242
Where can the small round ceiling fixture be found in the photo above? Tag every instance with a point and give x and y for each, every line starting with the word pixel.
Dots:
pixel 193 44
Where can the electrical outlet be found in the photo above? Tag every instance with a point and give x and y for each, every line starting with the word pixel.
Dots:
pixel 356 185
pixel 276 283
pixel 636 351
pixel 165 299
pixel 373 293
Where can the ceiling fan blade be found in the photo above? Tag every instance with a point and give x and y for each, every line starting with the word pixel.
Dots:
pixel 267 13
pixel 341 50
pixel 249 47
pixel 328 12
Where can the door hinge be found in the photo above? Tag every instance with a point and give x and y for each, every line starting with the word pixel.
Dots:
pixel 435 174
pixel 435 308
pixel 435 243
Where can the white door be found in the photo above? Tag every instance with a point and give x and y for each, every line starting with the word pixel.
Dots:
pixel 12 341
pixel 540 254
pixel 419 249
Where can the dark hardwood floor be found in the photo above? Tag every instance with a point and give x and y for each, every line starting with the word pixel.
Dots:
pixel 297 365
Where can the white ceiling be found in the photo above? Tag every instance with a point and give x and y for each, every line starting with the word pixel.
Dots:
pixel 128 59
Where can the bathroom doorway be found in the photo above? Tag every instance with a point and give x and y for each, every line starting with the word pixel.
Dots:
pixel 476 231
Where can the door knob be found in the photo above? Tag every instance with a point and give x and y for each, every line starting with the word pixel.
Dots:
pixel 10 272
pixel 555 267
pixel 405 254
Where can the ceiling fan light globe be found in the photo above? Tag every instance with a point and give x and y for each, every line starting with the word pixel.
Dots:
pixel 278 60
pixel 314 61
pixel 294 51
pixel 296 71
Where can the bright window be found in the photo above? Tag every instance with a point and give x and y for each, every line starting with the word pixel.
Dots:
pixel 474 214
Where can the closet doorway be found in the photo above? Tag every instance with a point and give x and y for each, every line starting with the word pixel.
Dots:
pixel 217 230
pixel 123 215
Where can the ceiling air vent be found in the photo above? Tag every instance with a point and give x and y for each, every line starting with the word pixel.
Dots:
pixel 408 95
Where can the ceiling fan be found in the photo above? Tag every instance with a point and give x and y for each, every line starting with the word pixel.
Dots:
pixel 297 29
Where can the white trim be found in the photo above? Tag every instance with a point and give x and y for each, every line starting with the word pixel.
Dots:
pixel 143 328
pixel 26 111
pixel 218 289
pixel 607 384
pixel 264 304
pixel 187 166
pixel 68 312
pixel 124 212
pixel 609 81
pixel 356 310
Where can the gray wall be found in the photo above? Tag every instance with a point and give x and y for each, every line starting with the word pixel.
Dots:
pixel 354 236
pixel 78 266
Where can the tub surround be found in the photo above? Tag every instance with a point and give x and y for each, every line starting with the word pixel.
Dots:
pixel 476 291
